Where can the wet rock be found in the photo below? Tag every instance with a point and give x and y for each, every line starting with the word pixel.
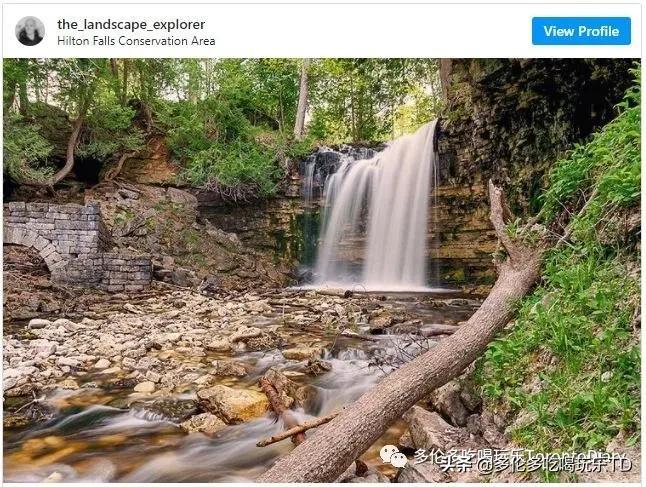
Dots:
pixel 169 408
pixel 227 367
pixel 317 367
pixel 70 384
pixel 146 386
pixel 206 423
pixel 382 319
pixel 422 472
pixel 302 353
pixel 233 405
pixel 292 392
pixel 38 323
pixel 219 346
pixel 244 333
pixel 266 341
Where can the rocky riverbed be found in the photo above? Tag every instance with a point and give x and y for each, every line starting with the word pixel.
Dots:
pixel 145 389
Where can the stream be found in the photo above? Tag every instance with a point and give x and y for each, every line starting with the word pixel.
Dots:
pixel 96 435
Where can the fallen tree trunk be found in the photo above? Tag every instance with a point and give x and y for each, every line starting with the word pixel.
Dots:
pixel 333 447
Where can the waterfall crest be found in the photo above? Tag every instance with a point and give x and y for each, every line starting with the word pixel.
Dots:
pixel 383 200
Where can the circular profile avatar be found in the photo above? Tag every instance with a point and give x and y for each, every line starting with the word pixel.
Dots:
pixel 30 31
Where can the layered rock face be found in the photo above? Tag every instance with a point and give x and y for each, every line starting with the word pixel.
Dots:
pixel 509 120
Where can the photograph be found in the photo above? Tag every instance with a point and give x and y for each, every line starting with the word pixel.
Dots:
pixel 325 269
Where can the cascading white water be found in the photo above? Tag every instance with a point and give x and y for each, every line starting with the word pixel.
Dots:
pixel 390 192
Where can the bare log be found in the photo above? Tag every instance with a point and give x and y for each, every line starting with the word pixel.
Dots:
pixel 339 293
pixel 301 428
pixel 332 448
pixel 438 329
pixel 357 336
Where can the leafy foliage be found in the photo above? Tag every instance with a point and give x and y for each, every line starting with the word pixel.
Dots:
pixel 24 150
pixel 575 334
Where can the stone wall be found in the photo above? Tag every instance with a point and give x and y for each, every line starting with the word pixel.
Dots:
pixel 74 243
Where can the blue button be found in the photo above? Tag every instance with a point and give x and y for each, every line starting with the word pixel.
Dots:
pixel 581 31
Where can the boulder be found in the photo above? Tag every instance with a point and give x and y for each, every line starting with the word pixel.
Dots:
pixel 228 367
pixel 169 408
pixel 233 405
pixel 206 423
pixel 302 353
pixel 317 367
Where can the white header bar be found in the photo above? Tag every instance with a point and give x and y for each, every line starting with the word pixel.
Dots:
pixel 304 30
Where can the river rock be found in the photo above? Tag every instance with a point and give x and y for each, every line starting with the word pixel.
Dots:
pixel 228 367
pixel 203 423
pixel 317 367
pixel 102 364
pixel 258 306
pixel 302 353
pixel 38 323
pixel 219 346
pixel 233 405
pixel 146 386
pixel 169 408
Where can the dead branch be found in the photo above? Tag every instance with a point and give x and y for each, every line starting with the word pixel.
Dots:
pixel 296 430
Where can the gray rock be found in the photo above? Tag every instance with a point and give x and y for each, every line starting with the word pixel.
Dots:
pixel 38 323
pixel 206 423
pixel 422 472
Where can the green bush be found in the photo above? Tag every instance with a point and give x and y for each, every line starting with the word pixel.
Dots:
pixel 25 151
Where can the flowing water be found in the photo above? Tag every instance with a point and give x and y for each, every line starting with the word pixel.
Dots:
pixel 96 436
pixel 379 205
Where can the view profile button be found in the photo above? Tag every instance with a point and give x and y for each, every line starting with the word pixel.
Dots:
pixel 581 31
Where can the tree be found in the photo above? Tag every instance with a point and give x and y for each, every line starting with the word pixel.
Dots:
pixel 332 448
pixel 299 126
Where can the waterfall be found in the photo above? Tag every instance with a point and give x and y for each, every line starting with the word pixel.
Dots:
pixel 379 206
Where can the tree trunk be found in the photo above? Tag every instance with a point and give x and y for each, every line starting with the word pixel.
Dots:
pixel 299 126
pixel 333 447
pixel 71 144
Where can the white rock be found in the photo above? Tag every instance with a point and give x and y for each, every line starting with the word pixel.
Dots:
pixel 69 362
pixel 38 323
pixel 102 364
pixel 146 386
